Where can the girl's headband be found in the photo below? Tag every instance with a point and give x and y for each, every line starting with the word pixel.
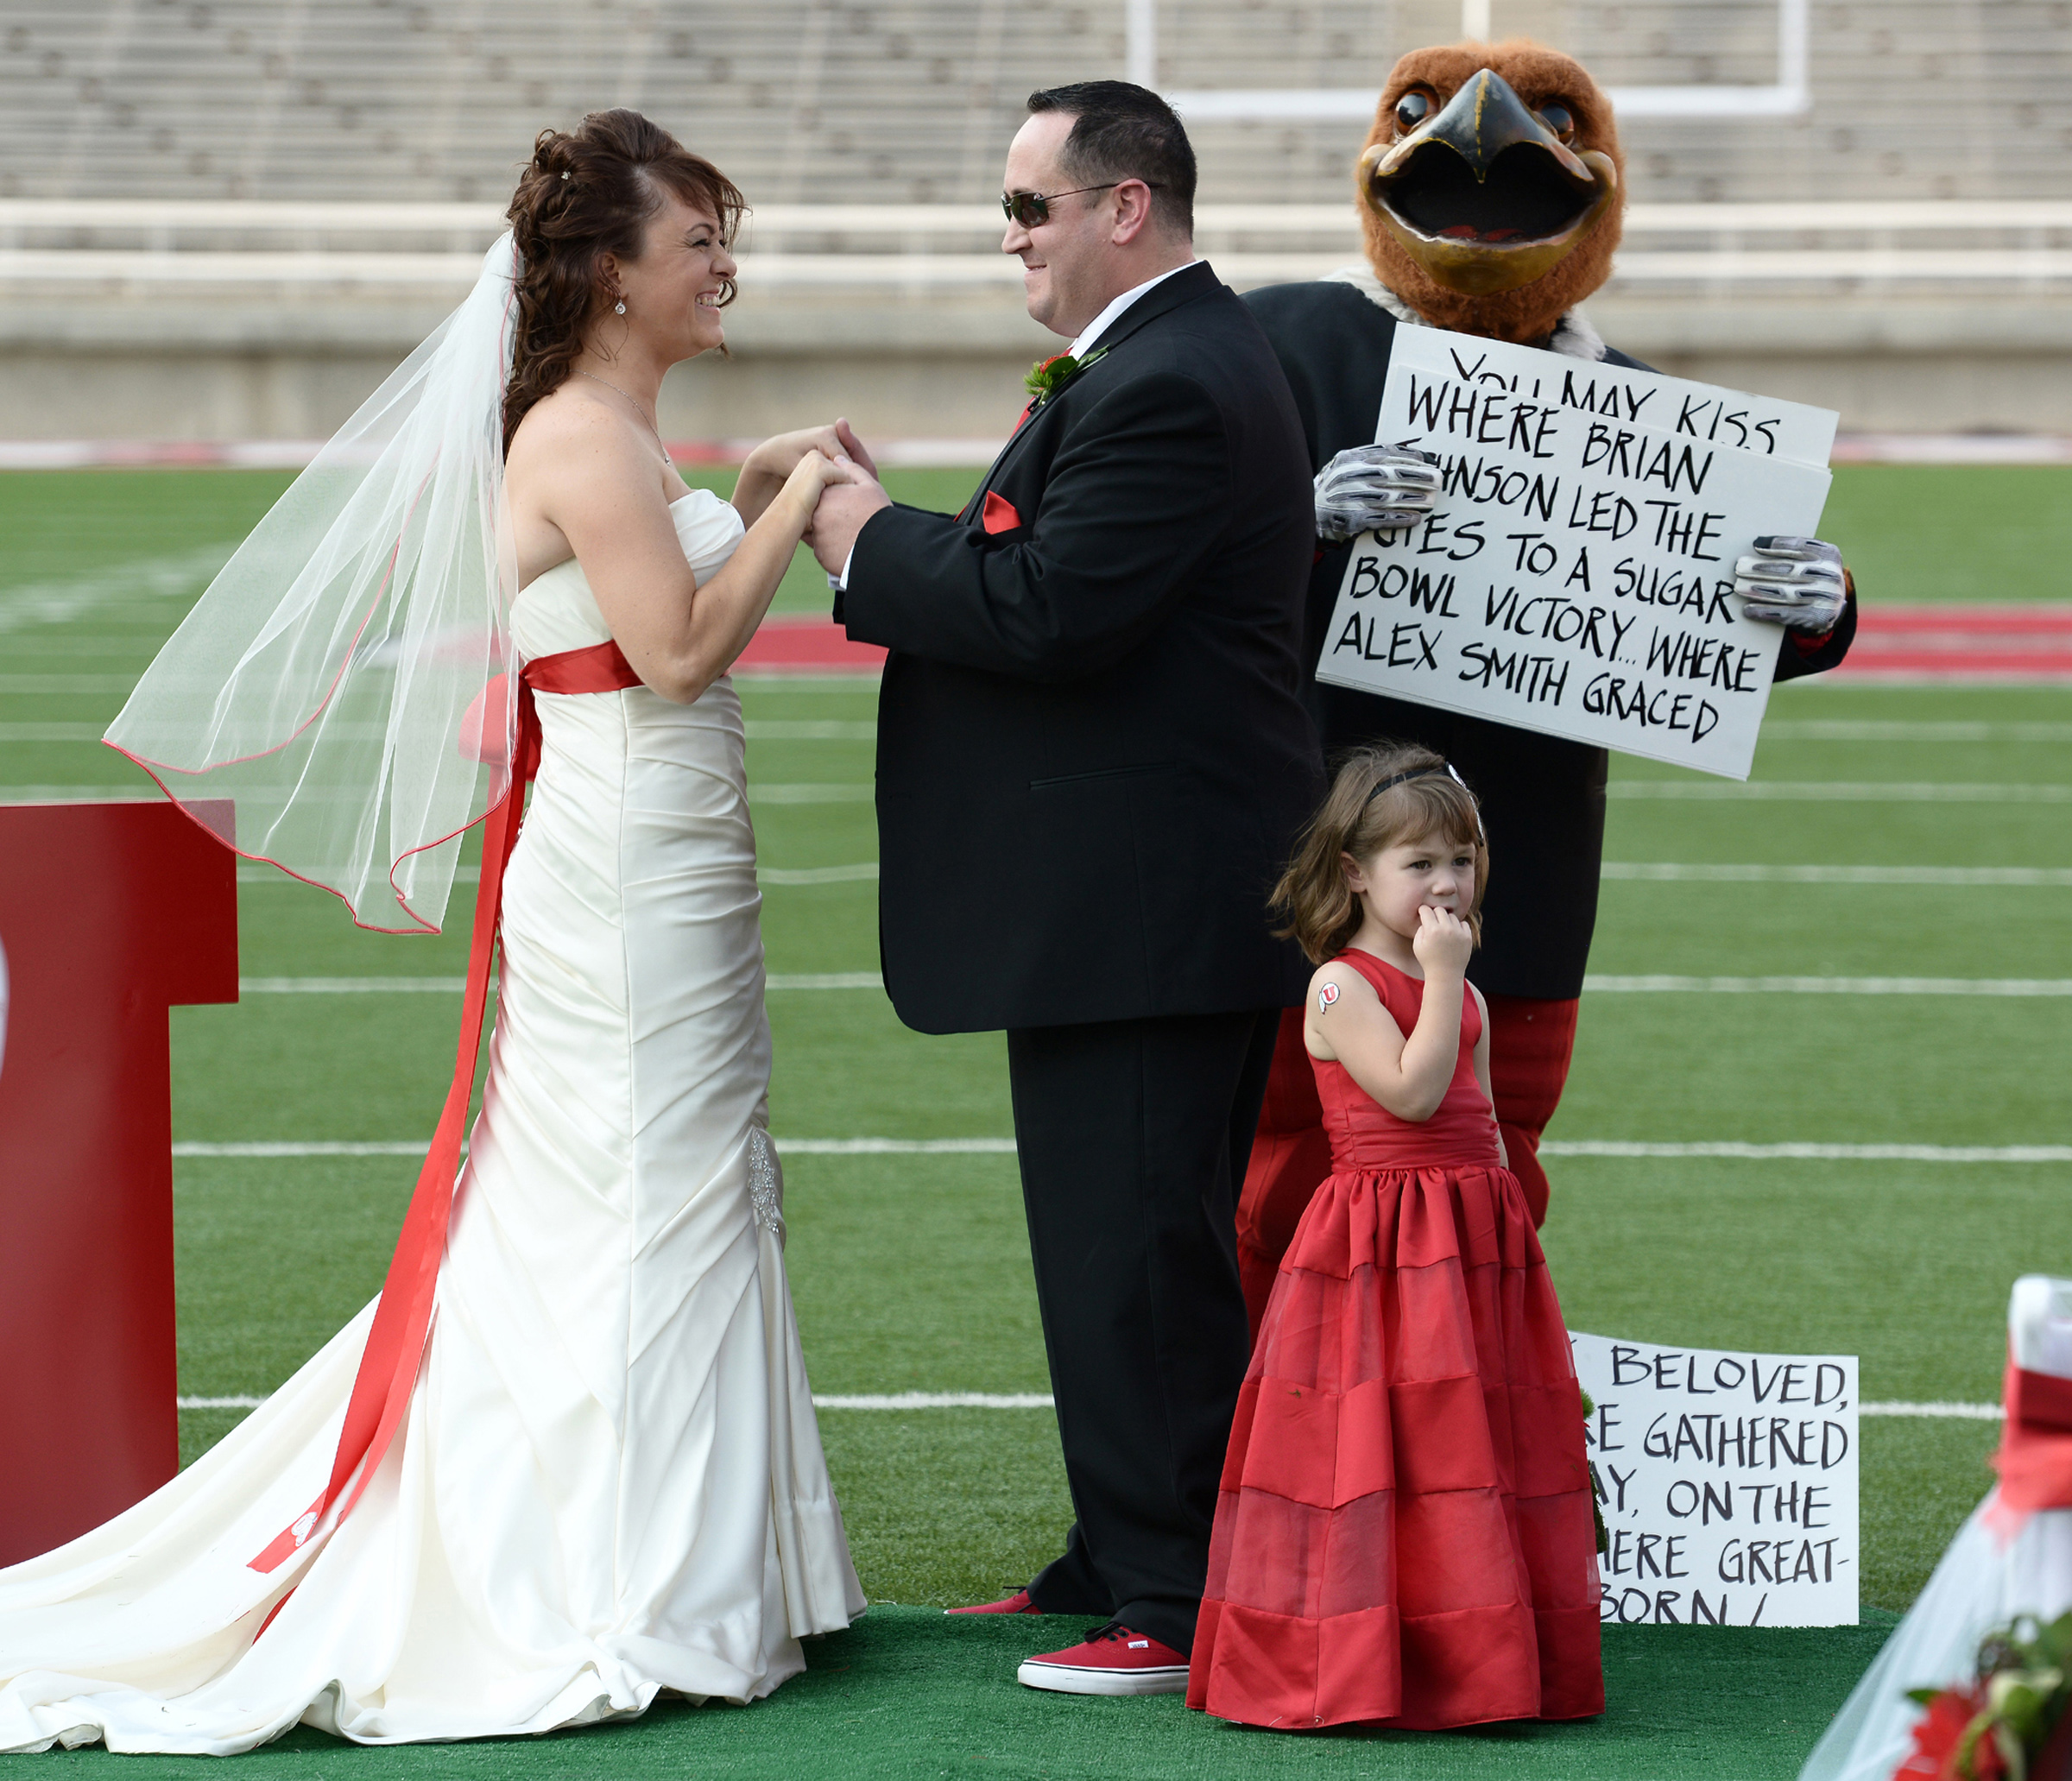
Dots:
pixel 1425 772
pixel 1420 773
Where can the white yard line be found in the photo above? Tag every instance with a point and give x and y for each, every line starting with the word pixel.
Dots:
pixel 809 729
pixel 1598 983
pixel 453 985
pixel 415 1147
pixel 850 791
pixel 49 685
pixel 1005 1146
pixel 1878 678
pixel 844 792
pixel 1647 871
pixel 1042 1400
pixel 63 685
pixel 868 1400
pixel 141 789
pixel 350 986
pixel 1675 872
pixel 1816 1153
pixel 61 600
pixel 865 872
pixel 1810 729
pixel 759 729
pixel 824 980
pixel 1603 984
pixel 306 1147
pixel 1634 871
pixel 1838 792
pixel 1871 730
pixel 936 1400
pixel 269 874
pixel 895 1146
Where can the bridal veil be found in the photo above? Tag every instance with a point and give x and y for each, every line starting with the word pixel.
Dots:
pixel 331 678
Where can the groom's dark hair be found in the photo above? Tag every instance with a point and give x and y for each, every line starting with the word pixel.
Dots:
pixel 1120 132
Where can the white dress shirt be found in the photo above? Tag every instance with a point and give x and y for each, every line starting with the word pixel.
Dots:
pixel 1088 335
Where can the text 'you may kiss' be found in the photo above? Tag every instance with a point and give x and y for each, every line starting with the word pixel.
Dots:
pixel 1581 556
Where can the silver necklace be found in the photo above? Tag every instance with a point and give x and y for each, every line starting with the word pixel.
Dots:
pixel 637 409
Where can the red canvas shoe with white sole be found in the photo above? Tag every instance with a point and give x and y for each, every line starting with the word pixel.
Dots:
pixel 1018 1603
pixel 1113 1660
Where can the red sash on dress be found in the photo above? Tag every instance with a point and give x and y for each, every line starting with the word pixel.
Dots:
pixel 2034 1457
pixel 396 1345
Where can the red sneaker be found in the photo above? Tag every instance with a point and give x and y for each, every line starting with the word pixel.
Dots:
pixel 1113 1660
pixel 1018 1603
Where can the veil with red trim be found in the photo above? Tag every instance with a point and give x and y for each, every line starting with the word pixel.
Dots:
pixel 331 679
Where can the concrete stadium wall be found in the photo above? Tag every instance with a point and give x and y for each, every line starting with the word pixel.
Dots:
pixel 951 367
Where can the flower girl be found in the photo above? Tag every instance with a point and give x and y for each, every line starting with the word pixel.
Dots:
pixel 1403 1534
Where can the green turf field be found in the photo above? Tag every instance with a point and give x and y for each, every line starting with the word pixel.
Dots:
pixel 912 1273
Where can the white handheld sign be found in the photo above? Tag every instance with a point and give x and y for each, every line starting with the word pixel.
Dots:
pixel 1730 1481
pixel 1576 576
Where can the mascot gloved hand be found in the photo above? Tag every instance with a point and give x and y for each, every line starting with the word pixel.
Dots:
pixel 1800 582
pixel 1374 489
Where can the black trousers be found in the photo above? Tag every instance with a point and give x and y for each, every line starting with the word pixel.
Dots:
pixel 1134 1137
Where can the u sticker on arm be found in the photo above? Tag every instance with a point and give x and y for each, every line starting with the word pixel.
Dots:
pixel 1326 996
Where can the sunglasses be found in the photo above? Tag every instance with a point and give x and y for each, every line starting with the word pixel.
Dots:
pixel 1032 209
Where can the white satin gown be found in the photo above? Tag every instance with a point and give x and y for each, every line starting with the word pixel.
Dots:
pixel 1985 1580
pixel 609 1481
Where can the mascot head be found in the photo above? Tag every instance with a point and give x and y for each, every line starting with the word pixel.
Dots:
pixel 1491 187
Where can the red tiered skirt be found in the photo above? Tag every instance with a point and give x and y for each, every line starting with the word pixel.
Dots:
pixel 1403 1535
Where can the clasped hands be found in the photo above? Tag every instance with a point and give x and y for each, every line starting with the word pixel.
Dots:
pixel 1798 582
pixel 846 490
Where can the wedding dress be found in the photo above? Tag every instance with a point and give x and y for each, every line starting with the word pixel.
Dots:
pixel 609 1481
pixel 2011 1560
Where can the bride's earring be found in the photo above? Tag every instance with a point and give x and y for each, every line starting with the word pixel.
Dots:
pixel 619 308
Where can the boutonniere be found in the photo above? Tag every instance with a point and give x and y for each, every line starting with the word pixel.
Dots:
pixel 1049 376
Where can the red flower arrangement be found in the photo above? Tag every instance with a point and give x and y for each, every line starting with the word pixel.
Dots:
pixel 2012 1724
pixel 1945 1746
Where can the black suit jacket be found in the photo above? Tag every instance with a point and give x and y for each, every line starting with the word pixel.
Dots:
pixel 1543 797
pixel 1092 747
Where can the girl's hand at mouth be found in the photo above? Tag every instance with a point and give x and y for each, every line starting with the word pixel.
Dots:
pixel 1443 941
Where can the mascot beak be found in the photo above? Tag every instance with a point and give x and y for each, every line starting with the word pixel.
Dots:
pixel 1484 197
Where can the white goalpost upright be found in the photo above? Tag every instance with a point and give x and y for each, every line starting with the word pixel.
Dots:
pixel 1789 95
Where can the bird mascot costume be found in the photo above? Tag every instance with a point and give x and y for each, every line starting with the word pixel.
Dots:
pixel 1491 191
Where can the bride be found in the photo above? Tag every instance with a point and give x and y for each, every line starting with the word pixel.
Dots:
pixel 568 1460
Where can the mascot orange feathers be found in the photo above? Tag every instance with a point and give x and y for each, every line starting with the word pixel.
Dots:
pixel 1492 187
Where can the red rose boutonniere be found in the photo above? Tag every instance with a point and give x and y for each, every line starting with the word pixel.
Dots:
pixel 1049 376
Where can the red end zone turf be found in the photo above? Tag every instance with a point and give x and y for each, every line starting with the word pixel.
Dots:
pixel 2028 642
pixel 807 646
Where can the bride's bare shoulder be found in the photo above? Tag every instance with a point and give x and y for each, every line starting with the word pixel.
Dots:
pixel 568 436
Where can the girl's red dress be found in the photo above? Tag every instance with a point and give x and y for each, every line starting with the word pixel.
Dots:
pixel 1403 1534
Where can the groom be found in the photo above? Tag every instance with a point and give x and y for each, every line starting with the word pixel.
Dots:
pixel 1092 759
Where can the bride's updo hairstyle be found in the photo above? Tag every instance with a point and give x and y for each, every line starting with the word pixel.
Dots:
pixel 1381 795
pixel 587 192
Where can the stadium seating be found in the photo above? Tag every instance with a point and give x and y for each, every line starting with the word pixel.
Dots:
pixel 231 215
pixel 909 101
